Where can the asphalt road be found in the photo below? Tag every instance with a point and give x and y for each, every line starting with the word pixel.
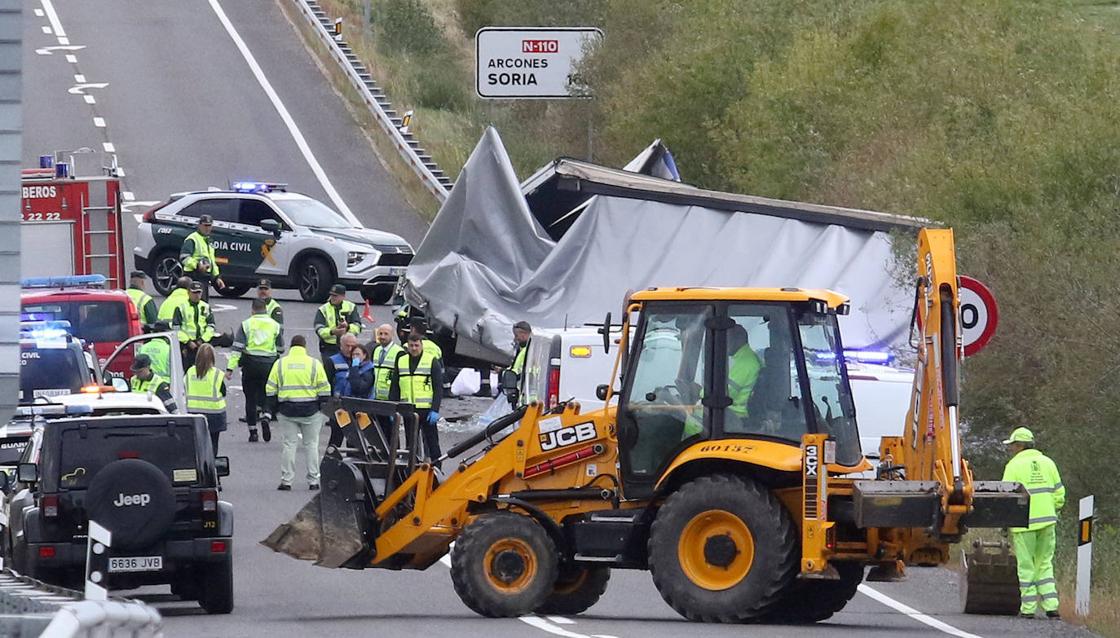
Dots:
pixel 182 110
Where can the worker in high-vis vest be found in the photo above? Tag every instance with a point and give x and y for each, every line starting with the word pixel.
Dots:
pixel 418 379
pixel 195 324
pixel 158 350
pixel 145 305
pixel 335 318
pixel 198 259
pixel 1034 544
pixel 743 366
pixel 256 345
pixel 384 355
pixel 178 297
pixel 144 380
pixel 206 392
pixel 522 335
pixel 272 307
pixel 296 388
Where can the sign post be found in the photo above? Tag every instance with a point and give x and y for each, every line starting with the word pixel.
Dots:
pixel 1084 555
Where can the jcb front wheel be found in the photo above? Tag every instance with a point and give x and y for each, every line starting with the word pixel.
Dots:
pixel 503 565
pixel 576 590
pixel 811 601
pixel 722 549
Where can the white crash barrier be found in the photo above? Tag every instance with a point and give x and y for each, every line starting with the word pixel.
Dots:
pixel 29 607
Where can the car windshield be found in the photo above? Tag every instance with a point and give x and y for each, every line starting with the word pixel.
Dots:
pixel 11 448
pixel 308 212
pixel 47 372
pixel 170 448
pixel 93 321
pixel 831 394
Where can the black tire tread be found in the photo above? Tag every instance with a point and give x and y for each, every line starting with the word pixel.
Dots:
pixel 811 601
pixel 474 542
pixel 216 595
pixel 580 600
pixel 780 541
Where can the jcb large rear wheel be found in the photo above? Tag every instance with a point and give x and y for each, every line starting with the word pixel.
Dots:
pixel 503 564
pixel 722 549
pixel 576 590
pixel 809 601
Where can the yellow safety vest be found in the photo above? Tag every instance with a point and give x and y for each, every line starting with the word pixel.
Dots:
pixel 178 297
pixel 742 374
pixel 331 317
pixel 151 385
pixel 270 309
pixel 416 385
pixel 159 352
pixel 384 359
pixel 519 360
pixel 139 299
pixel 204 396
pixel 297 378
pixel 202 248
pixel 260 339
pixel 195 326
pixel 1040 476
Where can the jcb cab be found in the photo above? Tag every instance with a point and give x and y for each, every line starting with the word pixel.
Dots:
pixel 720 470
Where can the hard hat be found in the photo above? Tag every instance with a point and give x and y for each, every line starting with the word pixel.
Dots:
pixel 1020 435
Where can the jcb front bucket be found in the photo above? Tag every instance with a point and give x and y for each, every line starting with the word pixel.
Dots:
pixel 334 529
pixel 989 582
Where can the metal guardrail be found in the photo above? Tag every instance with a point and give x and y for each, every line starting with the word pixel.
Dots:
pixel 30 607
pixel 406 144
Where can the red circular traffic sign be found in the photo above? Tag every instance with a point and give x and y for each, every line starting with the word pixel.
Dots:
pixel 979 315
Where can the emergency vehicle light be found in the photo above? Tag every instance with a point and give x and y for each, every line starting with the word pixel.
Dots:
pixel 257 187
pixel 66 281
pixel 880 357
pixel 45 334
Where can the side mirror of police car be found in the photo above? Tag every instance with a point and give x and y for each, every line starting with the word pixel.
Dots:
pixel 120 385
pixel 221 464
pixel 27 473
pixel 271 225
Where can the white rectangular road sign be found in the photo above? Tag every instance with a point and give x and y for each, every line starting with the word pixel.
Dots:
pixel 531 63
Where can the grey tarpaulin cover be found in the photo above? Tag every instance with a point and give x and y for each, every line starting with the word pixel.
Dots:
pixel 487 261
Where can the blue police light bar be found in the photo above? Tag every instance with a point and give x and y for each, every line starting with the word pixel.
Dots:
pixel 880 357
pixel 46 334
pixel 257 187
pixel 66 281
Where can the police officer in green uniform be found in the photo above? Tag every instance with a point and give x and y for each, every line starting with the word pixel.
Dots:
pixel 144 380
pixel 522 335
pixel 145 305
pixel 206 392
pixel 177 298
pixel 198 259
pixel 416 380
pixel 257 344
pixel 195 323
pixel 272 307
pixel 1034 544
pixel 296 388
pixel 334 319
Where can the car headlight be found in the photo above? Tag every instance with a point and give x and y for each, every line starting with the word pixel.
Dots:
pixel 354 258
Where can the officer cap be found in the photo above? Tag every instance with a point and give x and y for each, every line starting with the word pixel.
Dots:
pixel 141 361
pixel 205 219
pixel 264 284
pixel 138 274
pixel 338 289
pixel 1020 435
pixel 196 286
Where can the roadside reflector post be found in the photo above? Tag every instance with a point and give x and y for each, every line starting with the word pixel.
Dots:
pixel 1084 554
pixel 338 29
pixel 97 562
pixel 406 122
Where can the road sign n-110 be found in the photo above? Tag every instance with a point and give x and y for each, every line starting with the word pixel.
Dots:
pixel 531 63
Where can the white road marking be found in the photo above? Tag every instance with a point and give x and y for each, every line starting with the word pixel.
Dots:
pixel 70 47
pixel 99 122
pixel 89 99
pixel 914 613
pixel 39 13
pixel 80 88
pixel 222 307
pixel 144 204
pixel 109 148
pixel 127 195
pixel 46 29
pixel 64 41
pixel 544 625
pixel 300 141
pixel 71 58
pixel 53 17
pixel 79 78
pixel 560 620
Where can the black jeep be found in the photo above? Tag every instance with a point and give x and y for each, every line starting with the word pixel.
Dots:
pixel 151 480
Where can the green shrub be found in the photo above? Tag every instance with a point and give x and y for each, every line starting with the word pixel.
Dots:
pixel 406 27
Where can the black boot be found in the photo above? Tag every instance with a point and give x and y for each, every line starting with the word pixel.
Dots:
pixel 266 431
pixel 253 435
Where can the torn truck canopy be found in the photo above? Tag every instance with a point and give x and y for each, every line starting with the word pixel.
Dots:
pixel 488 260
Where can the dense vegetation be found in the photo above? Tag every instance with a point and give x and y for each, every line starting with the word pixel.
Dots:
pixel 998 117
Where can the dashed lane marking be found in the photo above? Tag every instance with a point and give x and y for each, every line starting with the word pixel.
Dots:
pixel 127 195
pixel 71 58
pixel 89 99
pixel 109 148
pixel 914 613
pixel 64 41
pixel 79 78
pixel 46 29
pixel 39 13
pixel 99 122
pixel 52 16
pixel 222 307
pixel 300 141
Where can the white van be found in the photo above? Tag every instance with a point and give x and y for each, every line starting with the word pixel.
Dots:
pixel 882 397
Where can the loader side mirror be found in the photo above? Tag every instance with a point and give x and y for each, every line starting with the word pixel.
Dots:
pixel 606 332
pixel 601 391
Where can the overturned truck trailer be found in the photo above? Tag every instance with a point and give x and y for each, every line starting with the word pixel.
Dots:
pixel 565 246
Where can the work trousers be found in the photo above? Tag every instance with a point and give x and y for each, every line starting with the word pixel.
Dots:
pixel 292 429
pixel 429 434
pixel 1034 554
pixel 254 376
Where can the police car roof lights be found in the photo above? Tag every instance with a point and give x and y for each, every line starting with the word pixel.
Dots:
pixel 880 357
pixel 45 334
pixel 257 187
pixel 66 281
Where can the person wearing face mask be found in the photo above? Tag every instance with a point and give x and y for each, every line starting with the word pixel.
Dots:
pixel 358 379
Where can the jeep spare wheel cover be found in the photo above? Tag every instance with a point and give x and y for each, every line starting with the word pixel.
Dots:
pixel 133 500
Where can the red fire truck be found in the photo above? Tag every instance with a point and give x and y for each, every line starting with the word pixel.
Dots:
pixel 72 218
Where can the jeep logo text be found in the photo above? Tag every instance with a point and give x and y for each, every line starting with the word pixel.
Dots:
pixel 124 500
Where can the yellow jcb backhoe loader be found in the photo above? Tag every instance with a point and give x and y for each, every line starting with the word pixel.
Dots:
pixel 719 465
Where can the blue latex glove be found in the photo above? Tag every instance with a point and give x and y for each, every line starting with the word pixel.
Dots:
pixel 433 417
